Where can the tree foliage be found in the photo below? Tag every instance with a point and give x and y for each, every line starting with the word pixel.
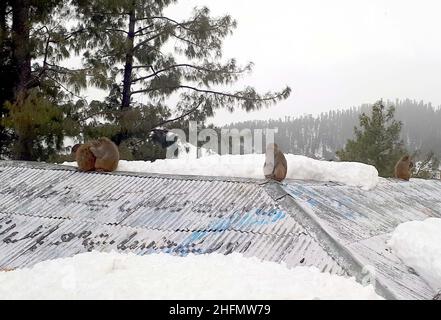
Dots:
pixel 39 122
pixel 377 142
pixel 6 74
pixel 136 50
pixel 129 48
pixel 33 41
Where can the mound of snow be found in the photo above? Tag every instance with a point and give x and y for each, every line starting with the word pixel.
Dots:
pixel 160 276
pixel 418 244
pixel 251 166
pixel 350 173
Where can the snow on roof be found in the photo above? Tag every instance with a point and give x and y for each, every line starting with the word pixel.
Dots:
pixel 251 166
pixel 418 244
pixel 363 221
pixel 49 211
pixel 98 275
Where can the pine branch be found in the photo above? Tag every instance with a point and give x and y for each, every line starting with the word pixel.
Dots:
pixel 180 117
pixel 66 89
pixel 70 35
pixel 64 70
pixel 172 120
pixel 98 113
pixel 117 30
pixel 141 66
pixel 110 13
pixel 142 29
pixel 184 65
pixel 176 23
pixel 219 93
pixel 143 42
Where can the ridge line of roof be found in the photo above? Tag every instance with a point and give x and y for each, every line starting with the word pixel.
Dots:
pixel 59 167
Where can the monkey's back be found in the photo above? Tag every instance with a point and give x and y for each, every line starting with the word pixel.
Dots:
pixel 281 168
pixel 402 170
pixel 107 155
pixel 277 170
pixel 85 158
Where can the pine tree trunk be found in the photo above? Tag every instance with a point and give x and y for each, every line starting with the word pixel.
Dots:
pixel 22 64
pixel 2 21
pixel 4 90
pixel 128 67
pixel 20 46
pixel 127 80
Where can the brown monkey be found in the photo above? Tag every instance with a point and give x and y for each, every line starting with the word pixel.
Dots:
pixel 84 157
pixel 403 168
pixel 275 166
pixel 106 153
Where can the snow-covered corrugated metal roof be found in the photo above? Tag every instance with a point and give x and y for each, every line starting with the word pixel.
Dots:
pixel 49 211
pixel 53 211
pixel 362 221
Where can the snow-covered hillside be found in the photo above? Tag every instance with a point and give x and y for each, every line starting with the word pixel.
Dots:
pixel 251 166
pixel 161 276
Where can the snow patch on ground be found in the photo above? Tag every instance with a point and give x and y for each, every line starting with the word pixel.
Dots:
pixel 160 276
pixel 418 244
pixel 251 166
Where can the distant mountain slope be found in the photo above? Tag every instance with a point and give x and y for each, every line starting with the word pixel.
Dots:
pixel 322 136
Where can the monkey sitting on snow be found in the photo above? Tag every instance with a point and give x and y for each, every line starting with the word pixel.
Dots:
pixel 99 155
pixel 275 166
pixel 403 168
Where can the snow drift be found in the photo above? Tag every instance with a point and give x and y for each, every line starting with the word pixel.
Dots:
pixel 418 244
pixel 160 276
pixel 251 166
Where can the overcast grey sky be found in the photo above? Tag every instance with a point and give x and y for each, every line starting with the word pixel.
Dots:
pixel 333 54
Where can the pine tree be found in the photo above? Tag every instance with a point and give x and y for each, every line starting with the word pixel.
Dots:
pixel 37 42
pixel 131 52
pixel 6 74
pixel 377 141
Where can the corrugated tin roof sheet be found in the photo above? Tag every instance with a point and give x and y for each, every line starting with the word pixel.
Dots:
pixel 49 211
pixel 362 222
pixel 53 211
